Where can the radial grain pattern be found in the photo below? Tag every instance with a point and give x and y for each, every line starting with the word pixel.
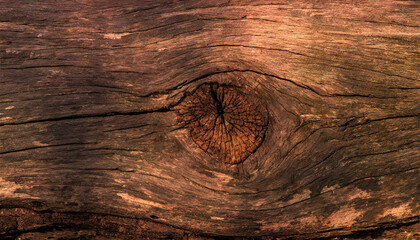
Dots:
pixel 223 121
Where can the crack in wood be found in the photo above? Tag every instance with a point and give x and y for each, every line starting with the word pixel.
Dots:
pixel 71 117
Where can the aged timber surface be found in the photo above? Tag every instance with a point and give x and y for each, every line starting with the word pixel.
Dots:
pixel 91 145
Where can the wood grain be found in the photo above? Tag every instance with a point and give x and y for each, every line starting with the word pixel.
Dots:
pixel 91 146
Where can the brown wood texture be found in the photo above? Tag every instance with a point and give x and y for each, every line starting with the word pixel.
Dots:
pixel 91 146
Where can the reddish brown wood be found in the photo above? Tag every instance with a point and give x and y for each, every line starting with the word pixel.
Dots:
pixel 223 122
pixel 91 145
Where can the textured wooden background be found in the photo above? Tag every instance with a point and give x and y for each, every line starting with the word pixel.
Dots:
pixel 90 145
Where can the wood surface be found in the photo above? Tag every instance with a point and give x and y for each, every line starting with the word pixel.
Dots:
pixel 91 146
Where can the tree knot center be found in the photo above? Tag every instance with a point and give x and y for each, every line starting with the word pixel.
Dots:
pixel 223 121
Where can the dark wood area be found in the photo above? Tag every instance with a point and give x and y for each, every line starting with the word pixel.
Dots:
pixel 92 145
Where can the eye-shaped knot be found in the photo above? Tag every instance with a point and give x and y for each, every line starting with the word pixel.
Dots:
pixel 223 121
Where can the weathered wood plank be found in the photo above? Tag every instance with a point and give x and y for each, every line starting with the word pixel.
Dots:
pixel 88 127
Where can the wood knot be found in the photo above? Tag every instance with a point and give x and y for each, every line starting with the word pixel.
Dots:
pixel 223 121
